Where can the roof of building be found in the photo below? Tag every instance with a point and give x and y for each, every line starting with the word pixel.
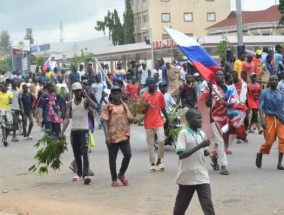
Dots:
pixel 271 14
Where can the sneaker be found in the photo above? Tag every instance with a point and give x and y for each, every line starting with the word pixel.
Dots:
pixel 161 167
pixel 115 184
pixel 123 180
pixel 77 178
pixel 153 168
pixel 87 180
pixel 258 161
pixel 26 138
pixel 5 144
pixel 30 137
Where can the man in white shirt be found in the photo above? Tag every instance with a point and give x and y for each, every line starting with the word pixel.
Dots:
pixel 144 73
pixel 98 88
pixel 81 70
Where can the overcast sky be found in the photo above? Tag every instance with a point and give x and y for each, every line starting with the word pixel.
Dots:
pixel 78 17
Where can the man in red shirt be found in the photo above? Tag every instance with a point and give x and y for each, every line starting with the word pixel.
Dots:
pixel 254 90
pixel 249 65
pixel 153 122
pixel 133 89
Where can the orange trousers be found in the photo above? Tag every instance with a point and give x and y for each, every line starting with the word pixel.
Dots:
pixel 274 128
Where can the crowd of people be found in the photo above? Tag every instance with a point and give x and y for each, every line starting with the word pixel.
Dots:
pixel 247 94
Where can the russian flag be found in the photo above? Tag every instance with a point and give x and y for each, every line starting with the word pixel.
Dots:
pixel 196 54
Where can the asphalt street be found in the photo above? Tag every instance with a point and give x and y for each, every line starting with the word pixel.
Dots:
pixel 246 191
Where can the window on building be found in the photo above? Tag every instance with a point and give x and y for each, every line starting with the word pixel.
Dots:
pixel 145 18
pixel 166 17
pixel 188 17
pixel 211 17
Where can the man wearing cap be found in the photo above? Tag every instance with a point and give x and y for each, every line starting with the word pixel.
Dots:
pixel 271 104
pixel 257 62
pixel 48 108
pixel 143 74
pixel 78 109
pixel 116 118
pixel 153 122
pixel 200 84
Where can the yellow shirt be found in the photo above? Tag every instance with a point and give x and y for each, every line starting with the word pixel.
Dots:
pixel 238 65
pixel 5 100
pixel 48 74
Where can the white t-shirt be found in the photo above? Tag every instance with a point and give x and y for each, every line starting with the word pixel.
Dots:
pixel 159 71
pixel 144 76
pixel 63 85
pixel 191 170
pixel 169 102
pixel 81 73
pixel 98 89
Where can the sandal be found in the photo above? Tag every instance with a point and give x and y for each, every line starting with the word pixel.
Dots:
pixel 87 180
pixel 123 180
pixel 77 178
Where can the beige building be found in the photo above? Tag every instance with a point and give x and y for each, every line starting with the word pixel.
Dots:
pixel 191 17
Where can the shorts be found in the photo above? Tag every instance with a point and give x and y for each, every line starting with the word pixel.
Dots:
pixel 3 121
pixel 16 116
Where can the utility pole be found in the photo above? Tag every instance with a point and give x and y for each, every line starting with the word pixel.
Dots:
pixel 61 32
pixel 240 47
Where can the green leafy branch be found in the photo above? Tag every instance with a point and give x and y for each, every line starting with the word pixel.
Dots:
pixel 49 153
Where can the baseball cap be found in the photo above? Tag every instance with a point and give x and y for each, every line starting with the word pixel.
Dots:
pixel 252 74
pixel 77 86
pixel 150 80
pixel 258 52
pixel 196 74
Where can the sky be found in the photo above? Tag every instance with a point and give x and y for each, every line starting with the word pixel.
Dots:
pixel 78 17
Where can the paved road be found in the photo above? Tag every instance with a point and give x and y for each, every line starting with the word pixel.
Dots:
pixel 246 191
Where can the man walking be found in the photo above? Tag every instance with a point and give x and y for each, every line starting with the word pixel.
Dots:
pixel 271 103
pixel 26 102
pixel 116 118
pixel 48 108
pixel 153 122
pixel 78 109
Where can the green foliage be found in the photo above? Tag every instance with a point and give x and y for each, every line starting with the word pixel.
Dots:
pixel 29 35
pixel 221 49
pixel 49 153
pixel 6 64
pixel 39 61
pixel 119 33
pixel 83 58
pixel 128 25
pixel 5 43
pixel 281 9
pixel 173 132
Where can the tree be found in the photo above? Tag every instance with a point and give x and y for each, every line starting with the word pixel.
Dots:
pixel 5 43
pixel 113 24
pixel 6 64
pixel 119 33
pixel 29 35
pixel 128 25
pixel 83 58
pixel 281 9
pixel 221 49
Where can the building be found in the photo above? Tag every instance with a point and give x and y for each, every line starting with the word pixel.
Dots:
pixel 191 17
pixel 262 23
